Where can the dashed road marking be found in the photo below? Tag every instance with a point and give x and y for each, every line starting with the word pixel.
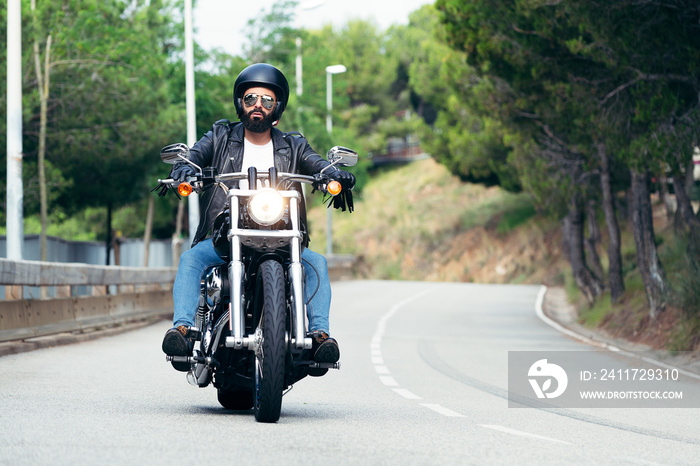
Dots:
pixel 388 381
pixel 383 371
pixel 377 360
pixel 442 410
pixel 522 433
pixel 407 394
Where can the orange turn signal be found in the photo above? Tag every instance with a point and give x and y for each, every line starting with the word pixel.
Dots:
pixel 184 189
pixel 334 187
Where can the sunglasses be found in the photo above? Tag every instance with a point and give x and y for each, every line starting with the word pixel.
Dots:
pixel 251 99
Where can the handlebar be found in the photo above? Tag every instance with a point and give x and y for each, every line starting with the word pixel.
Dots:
pixel 198 183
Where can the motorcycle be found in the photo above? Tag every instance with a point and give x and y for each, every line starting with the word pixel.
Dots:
pixel 250 336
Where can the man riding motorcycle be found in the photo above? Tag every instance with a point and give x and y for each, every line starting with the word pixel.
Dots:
pixel 260 97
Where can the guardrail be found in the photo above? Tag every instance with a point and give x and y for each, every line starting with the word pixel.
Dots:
pixel 118 295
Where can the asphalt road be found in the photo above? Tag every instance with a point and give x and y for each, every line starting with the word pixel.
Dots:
pixel 424 380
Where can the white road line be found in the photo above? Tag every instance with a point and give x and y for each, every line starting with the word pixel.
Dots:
pixel 540 313
pixel 407 394
pixel 378 360
pixel 442 410
pixel 522 433
pixel 388 381
pixel 381 369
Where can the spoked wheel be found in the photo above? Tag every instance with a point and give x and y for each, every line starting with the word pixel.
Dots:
pixel 270 354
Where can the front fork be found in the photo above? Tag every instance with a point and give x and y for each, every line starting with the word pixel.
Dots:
pixel 296 274
pixel 236 271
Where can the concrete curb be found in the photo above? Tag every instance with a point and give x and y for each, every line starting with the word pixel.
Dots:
pixel 68 338
pixel 553 308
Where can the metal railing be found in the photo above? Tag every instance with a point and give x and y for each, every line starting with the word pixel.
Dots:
pixel 115 295
pixel 118 295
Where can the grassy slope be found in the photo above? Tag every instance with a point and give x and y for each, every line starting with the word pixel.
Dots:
pixel 418 222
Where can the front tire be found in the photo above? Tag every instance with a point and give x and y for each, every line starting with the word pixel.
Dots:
pixel 270 358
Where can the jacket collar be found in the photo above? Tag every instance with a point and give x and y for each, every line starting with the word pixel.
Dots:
pixel 237 133
pixel 279 143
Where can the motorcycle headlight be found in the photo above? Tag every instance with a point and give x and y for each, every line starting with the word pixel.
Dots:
pixel 266 206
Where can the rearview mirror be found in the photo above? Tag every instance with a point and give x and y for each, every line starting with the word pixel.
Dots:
pixel 342 156
pixel 175 153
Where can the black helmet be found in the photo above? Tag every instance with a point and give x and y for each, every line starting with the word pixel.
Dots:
pixel 263 75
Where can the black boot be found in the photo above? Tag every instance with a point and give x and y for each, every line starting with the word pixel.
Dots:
pixel 176 343
pixel 324 349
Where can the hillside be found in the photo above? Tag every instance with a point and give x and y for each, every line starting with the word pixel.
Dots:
pixel 418 222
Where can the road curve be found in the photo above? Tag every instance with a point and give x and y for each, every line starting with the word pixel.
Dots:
pixel 424 380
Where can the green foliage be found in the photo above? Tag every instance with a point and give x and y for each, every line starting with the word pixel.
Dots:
pixel 594 315
pixel 570 74
pixel 117 94
pixel 454 101
pixel 683 268
pixel 109 105
pixel 521 54
pixel 86 225
pixel 272 37
pixel 517 215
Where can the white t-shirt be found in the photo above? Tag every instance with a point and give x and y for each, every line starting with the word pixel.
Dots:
pixel 260 157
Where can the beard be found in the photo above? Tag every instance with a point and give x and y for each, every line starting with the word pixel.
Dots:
pixel 257 126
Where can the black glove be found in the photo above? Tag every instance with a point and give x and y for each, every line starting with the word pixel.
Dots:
pixel 181 171
pixel 343 201
pixel 346 179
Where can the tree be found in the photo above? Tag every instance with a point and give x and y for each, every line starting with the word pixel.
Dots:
pixel 520 47
pixel 271 34
pixel 592 78
pixel 43 79
pixel 454 102
pixel 650 102
pixel 109 108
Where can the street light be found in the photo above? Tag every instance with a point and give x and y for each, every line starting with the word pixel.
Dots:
pixel 15 190
pixel 330 71
pixel 310 5
pixel 193 200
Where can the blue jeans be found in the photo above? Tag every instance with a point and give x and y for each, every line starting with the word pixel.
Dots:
pixel 195 262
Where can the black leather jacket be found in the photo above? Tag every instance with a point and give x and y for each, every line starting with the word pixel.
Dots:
pixel 222 147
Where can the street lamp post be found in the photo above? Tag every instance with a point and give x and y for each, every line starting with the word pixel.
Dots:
pixel 307 6
pixel 15 190
pixel 193 200
pixel 330 71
